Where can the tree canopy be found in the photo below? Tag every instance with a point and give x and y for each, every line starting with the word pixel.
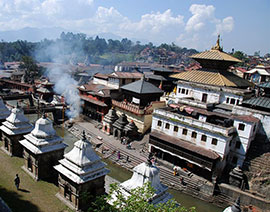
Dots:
pixel 139 200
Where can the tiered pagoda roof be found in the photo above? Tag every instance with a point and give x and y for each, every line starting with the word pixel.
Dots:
pixel 16 123
pixel 215 64
pixel 82 164
pixel 43 138
pixel 131 127
pixel 121 122
pixel 111 116
pixel 4 111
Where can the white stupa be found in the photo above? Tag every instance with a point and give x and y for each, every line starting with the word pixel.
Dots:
pixel 43 138
pixel 42 149
pixel 4 111
pixel 146 172
pixel 235 207
pixel 16 123
pixel 81 171
pixel 13 129
pixel 82 164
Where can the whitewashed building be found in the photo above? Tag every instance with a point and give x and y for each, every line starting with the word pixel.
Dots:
pixel 42 149
pixel 80 173
pixel 200 140
pixel 13 130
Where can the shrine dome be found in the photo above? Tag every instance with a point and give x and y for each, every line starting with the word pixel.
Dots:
pixel 43 128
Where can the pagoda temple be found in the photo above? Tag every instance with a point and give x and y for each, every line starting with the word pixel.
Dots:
pixel 42 149
pixel 80 172
pixel 108 121
pixel 138 100
pixel 13 130
pixel 119 125
pixel 143 173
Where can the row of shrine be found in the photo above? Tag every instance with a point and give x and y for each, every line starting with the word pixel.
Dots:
pixel 79 171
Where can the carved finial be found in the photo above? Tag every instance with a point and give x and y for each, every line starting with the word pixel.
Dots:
pixel 83 136
pixel 217 46
pixel 236 206
pixel 150 157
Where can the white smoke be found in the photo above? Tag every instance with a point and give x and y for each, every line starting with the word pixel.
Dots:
pixel 66 86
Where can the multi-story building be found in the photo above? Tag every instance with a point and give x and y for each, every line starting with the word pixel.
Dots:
pixel 199 130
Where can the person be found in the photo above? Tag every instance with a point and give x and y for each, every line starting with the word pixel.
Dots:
pixel 118 155
pixel 127 158
pixel 17 181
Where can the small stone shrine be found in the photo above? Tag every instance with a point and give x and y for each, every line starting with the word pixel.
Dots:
pixel 81 173
pixel 146 172
pixel 108 121
pixel 131 130
pixel 42 149
pixel 235 207
pixel 119 125
pixel 236 177
pixel 13 130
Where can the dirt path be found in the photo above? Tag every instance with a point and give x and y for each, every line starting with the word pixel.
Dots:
pixel 33 196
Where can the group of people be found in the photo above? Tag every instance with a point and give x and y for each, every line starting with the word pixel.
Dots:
pixel 119 156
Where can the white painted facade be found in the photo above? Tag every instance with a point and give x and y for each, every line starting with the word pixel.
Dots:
pixel 230 143
pixel 208 95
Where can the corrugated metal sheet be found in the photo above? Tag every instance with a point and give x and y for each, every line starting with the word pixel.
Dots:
pixel 259 102
pixel 212 77
pixel 215 55
pixel 142 87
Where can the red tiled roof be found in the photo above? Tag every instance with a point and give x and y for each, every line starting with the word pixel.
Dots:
pixel 96 88
pixel 102 76
pixel 96 102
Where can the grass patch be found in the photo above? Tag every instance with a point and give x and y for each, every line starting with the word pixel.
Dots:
pixel 33 196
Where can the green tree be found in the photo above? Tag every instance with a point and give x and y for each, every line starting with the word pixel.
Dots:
pixel 239 55
pixel 140 201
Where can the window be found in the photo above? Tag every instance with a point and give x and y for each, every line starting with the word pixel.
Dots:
pixel 194 135
pixel 234 160
pixel 175 128
pixel 167 126
pixel 238 144
pixel 159 123
pixel 237 102
pixel 227 100
pixel 124 82
pixel 184 132
pixel 241 127
pixel 232 101
pixel 203 138
pixel 179 90
pixel 187 92
pixel 214 141
pixel 204 97
pixel 183 91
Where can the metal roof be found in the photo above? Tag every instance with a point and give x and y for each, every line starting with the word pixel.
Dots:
pixel 212 77
pixel 258 102
pixel 215 55
pixel 142 87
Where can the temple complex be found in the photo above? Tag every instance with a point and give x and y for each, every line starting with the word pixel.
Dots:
pixel 45 91
pixel 42 149
pixel 13 130
pixel 80 173
pixel 143 173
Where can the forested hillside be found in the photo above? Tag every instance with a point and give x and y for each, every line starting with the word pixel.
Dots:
pixel 78 48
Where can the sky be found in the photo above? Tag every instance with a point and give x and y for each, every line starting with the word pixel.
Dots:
pixel 242 24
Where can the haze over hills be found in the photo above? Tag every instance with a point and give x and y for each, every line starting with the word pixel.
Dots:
pixel 37 34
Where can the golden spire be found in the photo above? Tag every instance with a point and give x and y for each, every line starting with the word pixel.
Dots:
pixel 217 46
